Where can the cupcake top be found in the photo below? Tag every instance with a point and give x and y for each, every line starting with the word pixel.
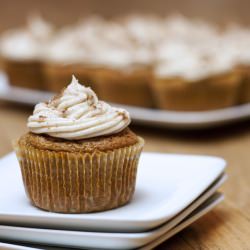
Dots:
pixel 236 41
pixel 28 42
pixel 77 114
pixel 65 48
pixel 179 60
pixel 144 30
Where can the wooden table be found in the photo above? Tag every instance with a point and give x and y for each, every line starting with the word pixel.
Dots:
pixel 228 225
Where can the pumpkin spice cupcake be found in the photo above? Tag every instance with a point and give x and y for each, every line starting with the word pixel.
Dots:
pixel 125 77
pixel 195 81
pixel 79 156
pixel 70 51
pixel 22 51
pixel 236 41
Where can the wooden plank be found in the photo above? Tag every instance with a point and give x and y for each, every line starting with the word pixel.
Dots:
pixel 226 227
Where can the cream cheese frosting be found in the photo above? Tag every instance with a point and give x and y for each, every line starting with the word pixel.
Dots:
pixel 66 49
pixel 179 60
pixel 77 114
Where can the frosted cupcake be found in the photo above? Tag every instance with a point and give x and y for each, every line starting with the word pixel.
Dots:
pixel 79 156
pixel 125 76
pixel 71 51
pixel 191 80
pixel 22 50
pixel 65 55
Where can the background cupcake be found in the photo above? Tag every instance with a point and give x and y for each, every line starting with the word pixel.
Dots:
pixel 125 77
pixel 79 156
pixel 236 41
pixel 195 79
pixel 72 51
pixel 22 50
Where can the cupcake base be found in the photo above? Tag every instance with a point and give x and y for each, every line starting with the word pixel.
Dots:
pixel 75 182
pixel 58 75
pixel 244 95
pixel 208 94
pixel 25 74
pixel 131 88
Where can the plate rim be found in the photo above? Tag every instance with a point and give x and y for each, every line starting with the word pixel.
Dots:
pixel 133 239
pixel 141 115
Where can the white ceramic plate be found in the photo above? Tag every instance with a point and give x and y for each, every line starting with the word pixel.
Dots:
pixel 166 184
pixel 91 240
pixel 152 117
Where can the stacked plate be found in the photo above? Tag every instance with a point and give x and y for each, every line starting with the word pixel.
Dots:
pixel 172 192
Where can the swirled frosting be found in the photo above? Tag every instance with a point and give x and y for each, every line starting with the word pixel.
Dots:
pixel 77 114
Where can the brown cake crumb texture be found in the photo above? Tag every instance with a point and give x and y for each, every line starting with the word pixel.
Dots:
pixel 122 139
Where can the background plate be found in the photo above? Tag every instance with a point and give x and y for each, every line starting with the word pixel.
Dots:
pixel 144 116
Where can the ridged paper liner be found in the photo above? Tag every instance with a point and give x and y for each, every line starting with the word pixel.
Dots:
pixel 79 182
pixel 58 75
pixel 244 96
pixel 26 74
pixel 131 88
pixel 213 93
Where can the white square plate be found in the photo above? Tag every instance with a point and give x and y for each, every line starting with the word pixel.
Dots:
pixel 92 240
pixel 166 185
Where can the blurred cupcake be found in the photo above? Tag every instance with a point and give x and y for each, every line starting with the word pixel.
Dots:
pixel 125 76
pixel 79 155
pixel 236 41
pixel 187 81
pixel 22 50
pixel 64 56
pixel 71 51
pixel 244 95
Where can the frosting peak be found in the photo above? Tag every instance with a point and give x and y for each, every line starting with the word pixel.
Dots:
pixel 77 114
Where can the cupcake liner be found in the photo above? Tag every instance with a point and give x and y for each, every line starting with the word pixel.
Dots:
pixel 245 91
pixel 244 95
pixel 207 94
pixel 58 75
pixel 79 182
pixel 26 74
pixel 131 88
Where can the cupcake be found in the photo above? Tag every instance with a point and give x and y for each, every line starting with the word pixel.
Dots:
pixel 65 55
pixel 244 96
pixel 79 155
pixel 21 52
pixel 121 71
pixel 125 76
pixel 236 41
pixel 190 80
pixel 70 51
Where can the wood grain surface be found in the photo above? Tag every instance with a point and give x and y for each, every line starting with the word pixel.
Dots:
pixel 228 225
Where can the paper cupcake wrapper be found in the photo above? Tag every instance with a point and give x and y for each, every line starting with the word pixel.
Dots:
pixel 213 93
pixel 131 88
pixel 59 75
pixel 79 182
pixel 26 74
pixel 244 96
